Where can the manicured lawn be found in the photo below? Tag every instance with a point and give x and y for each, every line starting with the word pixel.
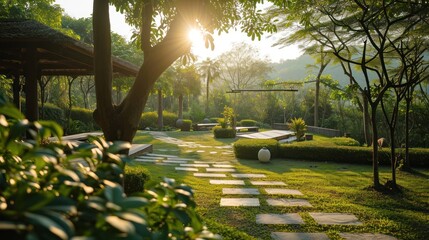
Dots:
pixel 329 187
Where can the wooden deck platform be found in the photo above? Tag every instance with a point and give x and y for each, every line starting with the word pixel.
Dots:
pixel 272 134
pixel 139 149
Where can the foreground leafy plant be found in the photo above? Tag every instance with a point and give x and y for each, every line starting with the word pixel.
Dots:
pixel 61 190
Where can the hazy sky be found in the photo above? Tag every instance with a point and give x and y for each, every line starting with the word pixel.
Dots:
pixel 83 8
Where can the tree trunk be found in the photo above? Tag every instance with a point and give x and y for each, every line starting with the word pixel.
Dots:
pixel 160 110
pixel 366 120
pixel 207 94
pixel 180 106
pixel 393 157
pixel 376 179
pixel 407 164
pixel 121 122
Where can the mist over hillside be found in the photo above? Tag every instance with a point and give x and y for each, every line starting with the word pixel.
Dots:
pixel 298 69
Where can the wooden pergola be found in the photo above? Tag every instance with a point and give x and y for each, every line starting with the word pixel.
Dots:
pixel 31 49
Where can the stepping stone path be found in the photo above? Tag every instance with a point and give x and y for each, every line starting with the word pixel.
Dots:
pixel 260 190
pixel 237 202
pixel 289 218
pixel 288 202
pixel 298 236
pixel 244 191
pixel 335 218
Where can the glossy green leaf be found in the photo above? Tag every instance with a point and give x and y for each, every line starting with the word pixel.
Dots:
pixel 120 224
pixel 47 223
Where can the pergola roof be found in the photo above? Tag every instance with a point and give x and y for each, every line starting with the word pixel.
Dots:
pixel 57 54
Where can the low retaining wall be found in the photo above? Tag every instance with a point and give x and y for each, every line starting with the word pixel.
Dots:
pixel 312 129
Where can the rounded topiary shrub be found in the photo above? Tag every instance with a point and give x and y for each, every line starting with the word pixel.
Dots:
pixel 169 118
pixel 186 125
pixel 249 148
pixel 345 141
pixel 148 120
pixel 82 114
pixel 220 132
pixel 134 179
pixel 248 123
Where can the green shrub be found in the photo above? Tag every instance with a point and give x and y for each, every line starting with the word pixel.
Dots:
pixel 57 190
pixel 52 112
pixel 134 179
pixel 76 126
pixel 186 125
pixel 419 157
pixel 169 119
pixel 220 132
pixel 149 120
pixel 298 126
pixel 249 148
pixel 83 115
pixel 248 123
pixel 345 141
pixel 214 120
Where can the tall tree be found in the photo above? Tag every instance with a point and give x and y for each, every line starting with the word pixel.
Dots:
pixel 163 27
pixel 186 82
pixel 210 69
pixel 361 33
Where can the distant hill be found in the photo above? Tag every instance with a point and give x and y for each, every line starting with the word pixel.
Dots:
pixel 297 69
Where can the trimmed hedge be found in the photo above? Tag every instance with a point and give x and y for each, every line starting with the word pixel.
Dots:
pixel 134 180
pixel 169 118
pixel 186 125
pixel 52 112
pixel 248 123
pixel 249 148
pixel 346 154
pixel 150 119
pixel 345 141
pixel 220 132
pixel 82 114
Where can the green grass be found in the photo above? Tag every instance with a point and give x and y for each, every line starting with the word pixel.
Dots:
pixel 329 187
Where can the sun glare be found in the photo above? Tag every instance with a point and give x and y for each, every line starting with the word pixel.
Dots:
pixel 195 36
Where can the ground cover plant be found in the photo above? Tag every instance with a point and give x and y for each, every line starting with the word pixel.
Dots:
pixel 328 186
pixel 61 190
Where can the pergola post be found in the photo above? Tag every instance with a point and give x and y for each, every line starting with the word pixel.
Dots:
pixel 16 88
pixel 32 75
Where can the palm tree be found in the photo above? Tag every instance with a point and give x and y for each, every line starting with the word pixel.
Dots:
pixel 210 70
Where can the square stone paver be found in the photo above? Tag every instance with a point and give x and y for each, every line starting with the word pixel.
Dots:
pixel 194 165
pixel 223 166
pixel 335 218
pixel 298 236
pixel 174 161
pixel 248 175
pixel 281 191
pixel 210 162
pixel 180 159
pixel 146 160
pixel 200 151
pixel 366 236
pixel 220 169
pixel 239 202
pixel 249 191
pixel 261 183
pixel 289 218
pixel 220 175
pixel 149 157
pixel 187 169
pixel 159 155
pixel 227 182
pixel 288 202
pixel 213 152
